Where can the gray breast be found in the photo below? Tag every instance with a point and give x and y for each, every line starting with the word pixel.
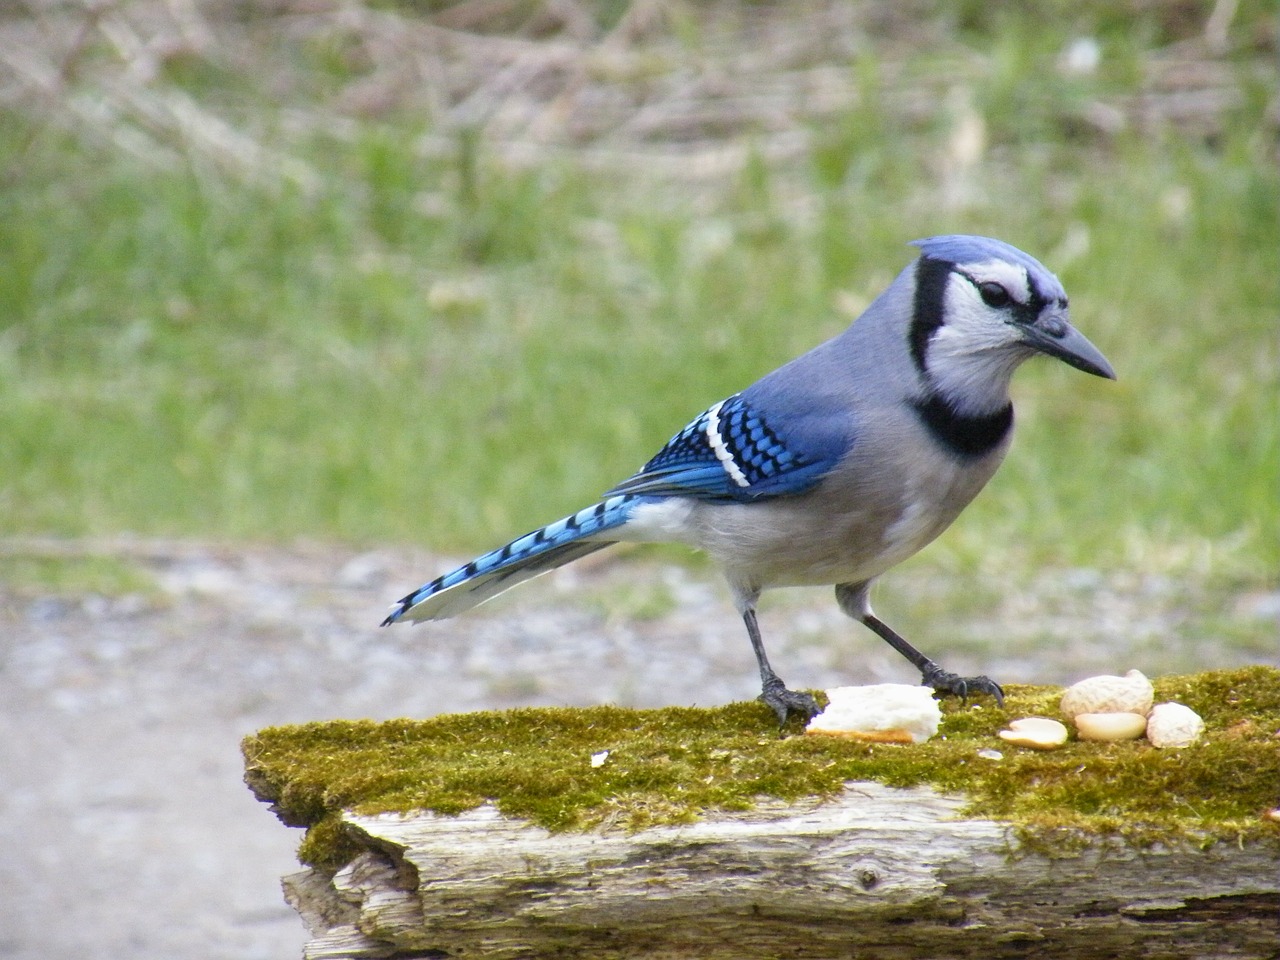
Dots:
pixel 887 501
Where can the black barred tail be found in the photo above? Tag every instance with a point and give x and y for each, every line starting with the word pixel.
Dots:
pixel 522 559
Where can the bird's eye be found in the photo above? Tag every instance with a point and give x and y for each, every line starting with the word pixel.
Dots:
pixel 994 295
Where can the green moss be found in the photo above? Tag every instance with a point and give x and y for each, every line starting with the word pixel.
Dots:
pixel 673 765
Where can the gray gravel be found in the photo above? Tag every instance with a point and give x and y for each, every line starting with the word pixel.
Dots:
pixel 125 830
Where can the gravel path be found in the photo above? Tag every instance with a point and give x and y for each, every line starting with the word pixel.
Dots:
pixel 125 830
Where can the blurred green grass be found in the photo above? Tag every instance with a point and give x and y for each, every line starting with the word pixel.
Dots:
pixel 447 350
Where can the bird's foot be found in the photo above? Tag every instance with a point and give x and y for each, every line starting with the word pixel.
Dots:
pixel 785 702
pixel 944 681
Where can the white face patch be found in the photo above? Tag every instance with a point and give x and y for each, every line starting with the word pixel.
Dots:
pixel 1009 275
pixel 969 325
pixel 972 355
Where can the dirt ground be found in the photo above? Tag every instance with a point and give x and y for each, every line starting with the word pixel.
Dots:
pixel 125 830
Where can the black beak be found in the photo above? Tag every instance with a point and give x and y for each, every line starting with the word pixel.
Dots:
pixel 1053 335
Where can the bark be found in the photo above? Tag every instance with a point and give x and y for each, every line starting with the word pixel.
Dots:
pixel 879 873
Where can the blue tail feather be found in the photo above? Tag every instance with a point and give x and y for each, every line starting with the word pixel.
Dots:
pixel 522 559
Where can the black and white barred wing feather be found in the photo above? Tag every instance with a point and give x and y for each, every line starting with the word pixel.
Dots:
pixel 731 452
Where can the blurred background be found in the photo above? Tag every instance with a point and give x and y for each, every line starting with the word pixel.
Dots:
pixel 303 300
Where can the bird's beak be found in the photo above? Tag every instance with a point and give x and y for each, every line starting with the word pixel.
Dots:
pixel 1052 334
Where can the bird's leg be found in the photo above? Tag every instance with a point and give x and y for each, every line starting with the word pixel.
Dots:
pixel 853 600
pixel 931 674
pixel 774 692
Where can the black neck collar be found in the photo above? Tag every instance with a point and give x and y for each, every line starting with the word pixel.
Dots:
pixel 966 435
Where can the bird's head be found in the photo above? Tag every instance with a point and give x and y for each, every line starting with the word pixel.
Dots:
pixel 982 307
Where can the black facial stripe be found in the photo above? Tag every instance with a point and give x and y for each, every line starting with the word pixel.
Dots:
pixel 1026 313
pixel 962 434
pixel 929 305
pixel 1039 295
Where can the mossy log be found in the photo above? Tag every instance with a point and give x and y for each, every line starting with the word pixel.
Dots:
pixel 609 833
pixel 880 872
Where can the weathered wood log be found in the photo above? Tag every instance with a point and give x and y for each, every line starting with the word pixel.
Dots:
pixel 877 873
pixel 546 839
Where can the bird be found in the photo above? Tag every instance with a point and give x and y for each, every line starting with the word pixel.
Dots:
pixel 838 465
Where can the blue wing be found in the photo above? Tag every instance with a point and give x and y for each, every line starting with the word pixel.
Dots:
pixel 733 451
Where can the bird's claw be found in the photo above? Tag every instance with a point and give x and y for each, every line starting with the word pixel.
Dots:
pixel 784 702
pixel 944 681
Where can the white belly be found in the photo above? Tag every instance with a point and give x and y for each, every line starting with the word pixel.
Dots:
pixel 846 530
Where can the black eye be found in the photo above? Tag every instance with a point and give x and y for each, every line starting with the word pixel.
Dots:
pixel 994 295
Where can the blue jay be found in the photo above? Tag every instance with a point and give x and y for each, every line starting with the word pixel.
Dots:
pixel 836 466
